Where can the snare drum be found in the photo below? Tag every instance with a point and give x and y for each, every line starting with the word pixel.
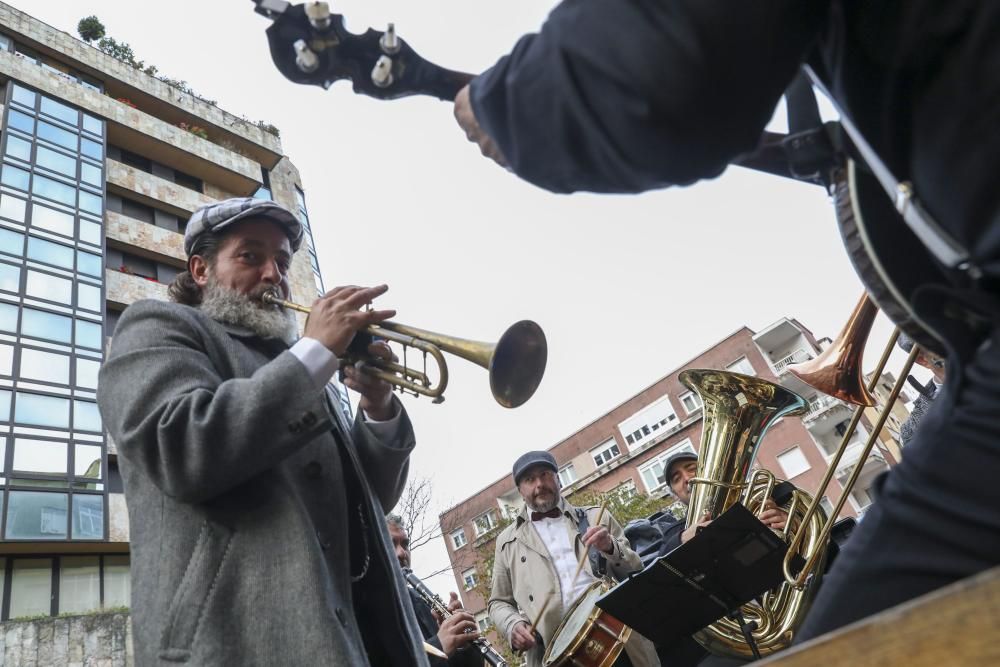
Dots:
pixel 587 636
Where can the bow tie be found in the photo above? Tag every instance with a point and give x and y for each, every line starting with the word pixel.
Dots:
pixel 553 513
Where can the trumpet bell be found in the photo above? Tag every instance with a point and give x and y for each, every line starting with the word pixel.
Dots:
pixel 518 363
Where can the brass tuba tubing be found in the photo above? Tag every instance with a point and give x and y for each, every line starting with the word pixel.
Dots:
pixel 516 362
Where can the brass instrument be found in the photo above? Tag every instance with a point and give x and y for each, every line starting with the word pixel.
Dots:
pixel 490 654
pixel 516 362
pixel 825 375
pixel 738 410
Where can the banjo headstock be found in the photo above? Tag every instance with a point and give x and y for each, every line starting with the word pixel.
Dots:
pixel 310 45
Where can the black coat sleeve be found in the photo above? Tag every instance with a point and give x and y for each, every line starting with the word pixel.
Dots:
pixel 632 95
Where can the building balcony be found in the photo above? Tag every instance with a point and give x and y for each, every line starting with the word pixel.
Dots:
pixel 797 357
pixel 124 288
pixel 153 190
pixel 822 407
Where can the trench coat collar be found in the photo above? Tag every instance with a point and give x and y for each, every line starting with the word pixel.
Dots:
pixel 529 537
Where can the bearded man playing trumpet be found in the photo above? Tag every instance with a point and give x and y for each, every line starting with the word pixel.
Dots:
pixel 255 507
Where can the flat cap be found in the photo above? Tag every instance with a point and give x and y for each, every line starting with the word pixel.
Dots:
pixel 213 218
pixel 525 461
pixel 676 458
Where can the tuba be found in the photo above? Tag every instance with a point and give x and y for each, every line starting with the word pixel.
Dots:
pixel 738 410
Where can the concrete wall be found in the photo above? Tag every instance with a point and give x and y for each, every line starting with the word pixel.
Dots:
pixel 92 640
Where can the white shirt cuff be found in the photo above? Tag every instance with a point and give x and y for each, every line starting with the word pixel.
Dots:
pixel 384 430
pixel 318 360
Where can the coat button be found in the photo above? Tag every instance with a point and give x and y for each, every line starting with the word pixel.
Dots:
pixel 314 469
pixel 294 427
pixel 342 616
pixel 309 419
pixel 523 559
pixel 531 598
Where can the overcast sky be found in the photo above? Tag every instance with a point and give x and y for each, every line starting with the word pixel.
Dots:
pixel 627 288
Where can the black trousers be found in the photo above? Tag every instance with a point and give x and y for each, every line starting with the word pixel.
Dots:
pixel 937 518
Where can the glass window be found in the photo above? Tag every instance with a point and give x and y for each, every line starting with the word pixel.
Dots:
pixel 90 174
pixel 10 276
pixel 93 125
pixel 41 410
pixel 86 417
pixel 19 148
pixel 90 232
pixel 56 161
pixel 8 317
pixel 458 538
pixel 87 461
pixel 79 583
pixel 42 456
pixel 24 96
pixel 86 373
pixel 741 365
pixel 21 121
pixel 31 586
pixel 44 366
pixel 12 207
pixel 793 462
pixel 88 334
pixel 60 111
pixel 91 202
pixel 3 459
pixel 117 583
pixel 88 517
pixel 91 148
pixel 11 242
pixel 14 177
pixel 88 263
pixel 88 297
pixel 39 515
pixel 47 326
pixel 4 405
pixel 50 253
pixel 57 135
pixel 45 286
pixel 567 475
pixel 51 219
pixel 6 364
pixel 47 187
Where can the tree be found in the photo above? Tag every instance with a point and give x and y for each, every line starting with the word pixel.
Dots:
pixel 90 28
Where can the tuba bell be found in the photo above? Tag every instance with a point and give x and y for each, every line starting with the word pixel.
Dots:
pixel 738 410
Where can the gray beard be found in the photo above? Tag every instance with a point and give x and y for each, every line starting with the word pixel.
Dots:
pixel 227 305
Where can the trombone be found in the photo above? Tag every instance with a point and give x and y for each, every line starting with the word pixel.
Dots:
pixel 516 362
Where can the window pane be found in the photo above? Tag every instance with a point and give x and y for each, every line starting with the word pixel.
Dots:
pixel 11 242
pixel 91 148
pixel 50 253
pixel 31 586
pixel 21 121
pixel 90 174
pixel 91 202
pixel 51 219
pixel 47 187
pixel 6 363
pixel 24 96
pixel 88 517
pixel 4 405
pixel 12 208
pixel 86 373
pixel 90 232
pixel 48 326
pixel 79 583
pixel 88 297
pixel 44 366
pixel 86 416
pixel 19 148
pixel 39 515
pixel 60 111
pixel 41 410
pixel 117 583
pixel 57 135
pixel 10 276
pixel 14 177
pixel 91 124
pixel 45 286
pixel 56 161
pixel 88 334
pixel 88 263
pixel 87 461
pixel 40 455
pixel 8 317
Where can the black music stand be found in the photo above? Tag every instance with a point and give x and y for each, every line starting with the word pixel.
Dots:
pixel 730 562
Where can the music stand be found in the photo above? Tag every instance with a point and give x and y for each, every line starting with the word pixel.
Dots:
pixel 730 562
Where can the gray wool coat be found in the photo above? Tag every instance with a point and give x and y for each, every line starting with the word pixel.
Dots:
pixel 245 488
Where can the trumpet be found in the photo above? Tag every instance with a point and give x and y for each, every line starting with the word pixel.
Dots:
pixel 490 654
pixel 516 362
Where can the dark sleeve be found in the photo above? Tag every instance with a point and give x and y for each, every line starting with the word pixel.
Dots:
pixel 631 95
pixel 672 537
pixel 467 656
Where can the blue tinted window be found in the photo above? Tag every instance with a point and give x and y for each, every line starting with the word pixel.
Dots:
pixel 10 277
pixel 19 148
pixel 60 111
pixel 24 96
pixel 4 405
pixel 57 135
pixel 12 207
pixel 47 326
pixel 50 253
pixel 90 174
pixel 8 317
pixel 86 416
pixel 88 517
pixel 91 149
pixel 21 121
pixel 88 263
pixel 51 219
pixel 91 202
pixel 14 177
pixel 90 232
pixel 37 515
pixel 88 296
pixel 94 125
pixel 41 410
pixel 88 334
pixel 56 161
pixel 11 242
pixel 47 187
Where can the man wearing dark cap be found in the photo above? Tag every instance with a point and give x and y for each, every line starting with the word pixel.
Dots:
pixel 255 507
pixel 537 556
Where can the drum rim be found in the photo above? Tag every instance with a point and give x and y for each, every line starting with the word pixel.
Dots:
pixel 574 646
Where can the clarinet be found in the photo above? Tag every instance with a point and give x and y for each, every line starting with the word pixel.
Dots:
pixel 490 654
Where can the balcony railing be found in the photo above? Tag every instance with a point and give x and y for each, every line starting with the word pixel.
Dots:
pixel 796 357
pixel 820 406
